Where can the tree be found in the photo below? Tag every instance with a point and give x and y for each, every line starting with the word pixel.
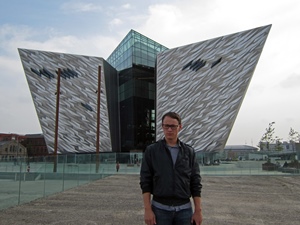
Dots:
pixel 278 144
pixel 294 137
pixel 267 137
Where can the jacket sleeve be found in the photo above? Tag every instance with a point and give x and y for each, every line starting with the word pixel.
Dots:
pixel 146 173
pixel 195 184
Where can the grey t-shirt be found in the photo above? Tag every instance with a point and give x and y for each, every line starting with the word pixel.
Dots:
pixel 174 152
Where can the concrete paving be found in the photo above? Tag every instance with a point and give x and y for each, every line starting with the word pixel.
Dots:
pixel 260 200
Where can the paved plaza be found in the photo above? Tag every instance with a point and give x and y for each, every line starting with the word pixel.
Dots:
pixel 117 199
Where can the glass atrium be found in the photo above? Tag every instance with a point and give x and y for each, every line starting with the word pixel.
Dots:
pixel 134 59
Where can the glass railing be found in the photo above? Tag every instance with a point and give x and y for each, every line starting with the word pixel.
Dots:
pixel 24 179
pixel 234 168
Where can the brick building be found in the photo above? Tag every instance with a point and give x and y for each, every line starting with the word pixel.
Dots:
pixel 13 146
pixel 36 145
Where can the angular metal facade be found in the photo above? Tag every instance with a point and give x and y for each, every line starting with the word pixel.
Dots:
pixel 206 83
pixel 78 100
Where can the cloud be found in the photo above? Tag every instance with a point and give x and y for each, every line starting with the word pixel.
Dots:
pixel 9 35
pixel 126 6
pixel 116 22
pixel 168 20
pixel 9 67
pixel 292 81
pixel 25 37
pixel 81 7
pixel 180 24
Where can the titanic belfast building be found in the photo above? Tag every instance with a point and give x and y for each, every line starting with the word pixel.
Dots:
pixel 88 104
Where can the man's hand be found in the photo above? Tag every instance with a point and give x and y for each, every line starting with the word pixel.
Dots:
pixel 149 217
pixel 197 217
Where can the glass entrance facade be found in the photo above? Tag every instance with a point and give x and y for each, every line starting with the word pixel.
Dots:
pixel 134 59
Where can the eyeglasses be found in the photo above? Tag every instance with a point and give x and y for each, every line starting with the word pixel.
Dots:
pixel 167 126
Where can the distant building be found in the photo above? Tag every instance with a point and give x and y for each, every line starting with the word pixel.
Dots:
pixel 13 146
pixel 281 150
pixel 11 137
pixel 237 152
pixel 279 147
pixel 298 150
pixel 12 150
pixel 35 145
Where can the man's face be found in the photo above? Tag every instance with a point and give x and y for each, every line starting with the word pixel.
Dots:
pixel 171 127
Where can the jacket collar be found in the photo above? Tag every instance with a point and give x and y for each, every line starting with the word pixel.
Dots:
pixel 178 142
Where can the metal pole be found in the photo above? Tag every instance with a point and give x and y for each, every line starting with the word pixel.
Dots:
pixel 98 120
pixel 17 146
pixel 19 195
pixel 56 121
pixel 17 149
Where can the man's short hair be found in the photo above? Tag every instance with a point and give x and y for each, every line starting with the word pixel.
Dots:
pixel 173 115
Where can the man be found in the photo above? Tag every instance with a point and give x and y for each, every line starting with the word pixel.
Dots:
pixel 171 174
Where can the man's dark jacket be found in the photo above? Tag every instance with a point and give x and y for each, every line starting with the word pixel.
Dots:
pixel 170 184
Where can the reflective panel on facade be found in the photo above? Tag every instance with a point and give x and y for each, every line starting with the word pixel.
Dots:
pixel 77 123
pixel 206 83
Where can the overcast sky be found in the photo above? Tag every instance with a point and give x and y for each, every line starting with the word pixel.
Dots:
pixel 95 28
